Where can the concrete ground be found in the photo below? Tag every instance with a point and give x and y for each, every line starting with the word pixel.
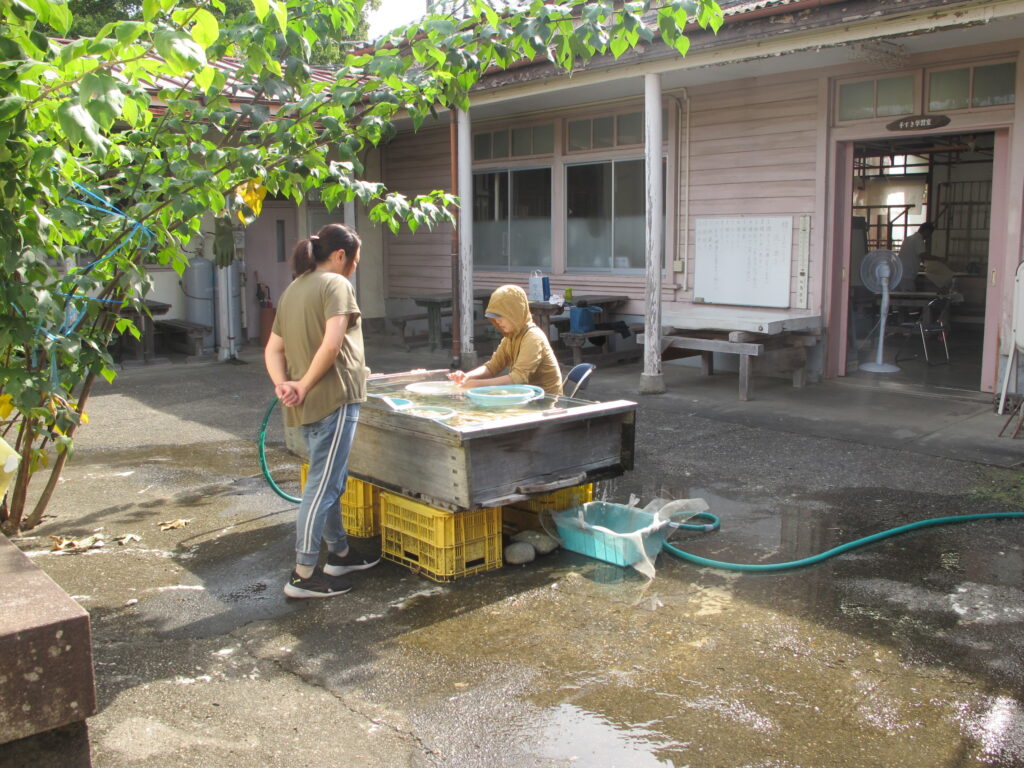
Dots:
pixel 907 652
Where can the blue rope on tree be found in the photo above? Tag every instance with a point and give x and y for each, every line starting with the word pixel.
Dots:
pixel 75 312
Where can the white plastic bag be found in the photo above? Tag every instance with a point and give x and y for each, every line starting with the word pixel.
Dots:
pixel 535 287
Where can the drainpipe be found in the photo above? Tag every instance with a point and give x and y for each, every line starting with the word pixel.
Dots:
pixel 453 174
pixel 226 331
pixel 683 160
pixel 652 381
pixel 465 286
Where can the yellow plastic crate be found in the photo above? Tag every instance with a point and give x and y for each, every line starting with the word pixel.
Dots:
pixel 360 506
pixel 566 498
pixel 441 545
pixel 521 519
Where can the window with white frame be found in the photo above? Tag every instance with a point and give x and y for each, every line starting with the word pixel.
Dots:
pixel 970 86
pixel 521 141
pixel 978 86
pixel 879 97
pixel 605 215
pixel 512 218
pixel 608 131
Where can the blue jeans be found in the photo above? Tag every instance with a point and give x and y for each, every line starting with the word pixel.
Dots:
pixel 319 517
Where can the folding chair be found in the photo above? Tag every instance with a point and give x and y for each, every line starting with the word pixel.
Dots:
pixel 576 379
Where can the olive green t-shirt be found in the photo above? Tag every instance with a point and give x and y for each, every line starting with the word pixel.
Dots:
pixel 302 314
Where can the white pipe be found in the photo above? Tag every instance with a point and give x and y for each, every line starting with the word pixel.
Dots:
pixel 227 343
pixel 223 315
pixel 465 287
pixel 651 380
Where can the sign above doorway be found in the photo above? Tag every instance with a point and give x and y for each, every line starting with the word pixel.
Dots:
pixel 918 123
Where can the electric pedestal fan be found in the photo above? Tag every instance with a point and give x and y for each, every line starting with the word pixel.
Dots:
pixel 879 271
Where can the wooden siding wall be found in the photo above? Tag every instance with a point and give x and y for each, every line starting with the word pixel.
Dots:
pixel 752 153
pixel 419 264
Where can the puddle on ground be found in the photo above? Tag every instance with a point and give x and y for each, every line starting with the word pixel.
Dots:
pixel 708 678
pixel 569 733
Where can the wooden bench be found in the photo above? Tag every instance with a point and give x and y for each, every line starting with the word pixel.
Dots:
pixel 785 352
pixel 183 335
pixel 402 320
pixel 576 341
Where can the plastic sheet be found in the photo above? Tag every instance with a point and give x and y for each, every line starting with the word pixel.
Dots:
pixel 623 534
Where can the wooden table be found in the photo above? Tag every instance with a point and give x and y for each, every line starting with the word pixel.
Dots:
pixel 543 311
pixel 607 302
pixel 575 341
pixel 746 332
pixel 143 350
pixel 434 304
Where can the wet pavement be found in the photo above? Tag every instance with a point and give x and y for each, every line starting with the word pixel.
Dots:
pixel 908 652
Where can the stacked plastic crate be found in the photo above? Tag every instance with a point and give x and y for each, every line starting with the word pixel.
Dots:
pixel 360 506
pixel 528 515
pixel 437 543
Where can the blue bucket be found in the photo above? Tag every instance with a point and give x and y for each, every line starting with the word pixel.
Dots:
pixel 594 532
pixel 582 319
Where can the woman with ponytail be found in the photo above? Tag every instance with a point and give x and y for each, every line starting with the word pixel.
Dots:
pixel 315 358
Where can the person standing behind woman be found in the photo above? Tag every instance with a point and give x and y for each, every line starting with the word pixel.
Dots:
pixel 315 358
pixel 524 351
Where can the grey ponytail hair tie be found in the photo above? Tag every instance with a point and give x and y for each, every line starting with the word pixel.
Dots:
pixel 309 246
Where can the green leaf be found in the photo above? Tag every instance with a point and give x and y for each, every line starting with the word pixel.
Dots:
pixel 205 28
pixel 280 13
pixel 150 9
pixel 179 50
pixel 128 32
pixel 205 77
pixel 79 126
pixel 22 11
pixel 262 8
pixel 101 95
pixel 10 106
pixel 59 17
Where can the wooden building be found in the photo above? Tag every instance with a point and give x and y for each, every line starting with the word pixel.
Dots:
pixel 801 136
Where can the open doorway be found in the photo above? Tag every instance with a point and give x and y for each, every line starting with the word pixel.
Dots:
pixel 928 199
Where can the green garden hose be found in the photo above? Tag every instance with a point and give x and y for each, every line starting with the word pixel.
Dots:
pixel 707 527
pixel 262 449
pixel 835 550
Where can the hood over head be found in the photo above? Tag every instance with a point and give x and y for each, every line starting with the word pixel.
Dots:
pixel 510 302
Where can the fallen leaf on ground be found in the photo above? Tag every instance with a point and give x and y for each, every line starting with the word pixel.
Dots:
pixel 68 544
pixel 127 538
pixel 170 525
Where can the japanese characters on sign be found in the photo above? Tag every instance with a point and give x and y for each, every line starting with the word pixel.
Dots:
pixel 918 123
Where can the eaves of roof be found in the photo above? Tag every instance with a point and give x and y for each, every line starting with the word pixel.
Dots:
pixel 746 21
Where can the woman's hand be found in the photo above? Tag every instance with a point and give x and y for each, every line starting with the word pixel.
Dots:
pixel 290 393
pixel 459 377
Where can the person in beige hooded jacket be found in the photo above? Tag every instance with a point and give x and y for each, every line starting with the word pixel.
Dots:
pixel 524 351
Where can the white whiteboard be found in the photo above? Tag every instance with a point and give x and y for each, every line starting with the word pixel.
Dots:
pixel 744 260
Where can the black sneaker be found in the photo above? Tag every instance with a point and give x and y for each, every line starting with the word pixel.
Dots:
pixel 337 565
pixel 317 585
